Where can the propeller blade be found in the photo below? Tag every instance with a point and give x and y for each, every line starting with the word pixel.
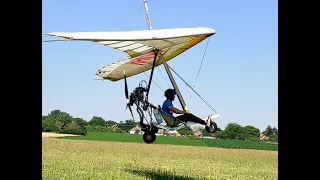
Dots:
pixel 127 93
pixel 126 85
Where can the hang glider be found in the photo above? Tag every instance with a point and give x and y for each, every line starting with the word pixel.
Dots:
pixel 148 49
pixel 139 45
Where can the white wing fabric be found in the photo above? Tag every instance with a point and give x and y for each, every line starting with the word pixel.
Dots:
pixel 139 45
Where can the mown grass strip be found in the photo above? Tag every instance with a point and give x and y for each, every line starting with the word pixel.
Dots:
pixel 136 138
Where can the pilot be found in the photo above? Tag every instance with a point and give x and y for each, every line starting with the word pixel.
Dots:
pixel 168 107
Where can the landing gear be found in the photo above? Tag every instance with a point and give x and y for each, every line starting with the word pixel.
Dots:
pixel 213 127
pixel 149 137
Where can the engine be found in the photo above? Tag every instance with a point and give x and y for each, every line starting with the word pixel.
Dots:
pixel 137 96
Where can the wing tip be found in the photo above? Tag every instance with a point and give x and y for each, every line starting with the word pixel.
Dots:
pixel 57 35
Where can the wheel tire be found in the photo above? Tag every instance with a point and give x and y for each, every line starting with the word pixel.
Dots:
pixel 213 128
pixel 149 137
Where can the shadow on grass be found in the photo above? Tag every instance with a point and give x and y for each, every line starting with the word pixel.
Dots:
pixel 158 174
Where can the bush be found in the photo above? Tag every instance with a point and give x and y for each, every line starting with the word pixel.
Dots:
pixel 273 138
pixel 185 131
pixel 95 128
pixel 98 128
pixel 75 131
pixel 222 135
pixel 242 135
pixel 49 126
pixel 73 128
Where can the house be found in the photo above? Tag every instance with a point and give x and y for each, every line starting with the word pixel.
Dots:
pixel 263 137
pixel 172 133
pixel 196 132
pixel 135 130
pixel 160 132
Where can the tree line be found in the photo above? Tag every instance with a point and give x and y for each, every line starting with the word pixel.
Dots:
pixel 63 122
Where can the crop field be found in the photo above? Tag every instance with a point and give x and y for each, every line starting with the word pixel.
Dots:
pixel 104 136
pixel 87 159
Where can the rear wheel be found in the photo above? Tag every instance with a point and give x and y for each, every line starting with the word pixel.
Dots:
pixel 212 129
pixel 149 137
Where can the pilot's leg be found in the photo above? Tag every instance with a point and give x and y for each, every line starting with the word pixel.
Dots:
pixel 191 117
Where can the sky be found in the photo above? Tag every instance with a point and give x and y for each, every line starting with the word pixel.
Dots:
pixel 238 77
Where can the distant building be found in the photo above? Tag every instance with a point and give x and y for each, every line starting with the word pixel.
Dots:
pixel 160 132
pixel 263 137
pixel 196 132
pixel 135 130
pixel 172 133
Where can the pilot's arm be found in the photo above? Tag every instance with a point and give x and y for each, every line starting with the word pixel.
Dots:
pixel 177 111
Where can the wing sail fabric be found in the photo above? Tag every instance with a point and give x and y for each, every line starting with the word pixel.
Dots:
pixel 139 46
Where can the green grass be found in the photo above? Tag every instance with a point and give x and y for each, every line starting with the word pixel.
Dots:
pixel 137 138
pixel 81 159
pixel 240 144
pixel 119 137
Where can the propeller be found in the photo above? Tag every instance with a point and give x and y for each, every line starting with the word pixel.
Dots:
pixel 127 94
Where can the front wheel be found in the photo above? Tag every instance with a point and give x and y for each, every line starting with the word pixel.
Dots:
pixel 213 128
pixel 149 137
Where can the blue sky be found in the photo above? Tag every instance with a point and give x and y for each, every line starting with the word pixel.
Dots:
pixel 238 78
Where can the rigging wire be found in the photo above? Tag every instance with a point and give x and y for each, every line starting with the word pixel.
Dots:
pixel 162 89
pixel 199 70
pixel 163 76
pixel 191 88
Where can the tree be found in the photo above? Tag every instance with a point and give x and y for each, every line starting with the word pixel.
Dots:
pixel 110 123
pixel 62 122
pixel 233 130
pixel 97 121
pixel 55 121
pixel 56 115
pixel 80 121
pixel 127 125
pixel 252 131
pixel 55 112
pixel 268 131
pixel 49 126
pixel 275 131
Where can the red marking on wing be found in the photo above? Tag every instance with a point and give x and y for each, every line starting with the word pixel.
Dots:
pixel 143 59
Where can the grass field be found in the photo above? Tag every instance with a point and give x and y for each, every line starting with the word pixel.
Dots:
pixel 102 136
pixel 84 159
